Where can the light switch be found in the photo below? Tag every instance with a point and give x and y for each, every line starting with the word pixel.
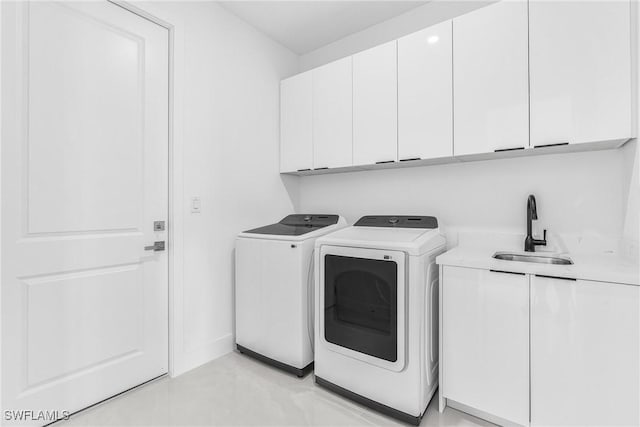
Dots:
pixel 195 204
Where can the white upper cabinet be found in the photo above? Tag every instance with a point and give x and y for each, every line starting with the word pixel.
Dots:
pixel 425 116
pixel 512 75
pixel 490 79
pixel 375 130
pixel 296 123
pixel 580 57
pixel 585 348
pixel 332 115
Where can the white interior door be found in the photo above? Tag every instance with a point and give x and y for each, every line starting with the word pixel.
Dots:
pixel 84 176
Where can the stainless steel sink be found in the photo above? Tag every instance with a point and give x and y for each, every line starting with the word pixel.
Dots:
pixel 533 257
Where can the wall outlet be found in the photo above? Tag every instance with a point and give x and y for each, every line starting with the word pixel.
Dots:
pixel 196 206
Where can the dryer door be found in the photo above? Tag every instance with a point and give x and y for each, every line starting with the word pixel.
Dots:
pixel 362 304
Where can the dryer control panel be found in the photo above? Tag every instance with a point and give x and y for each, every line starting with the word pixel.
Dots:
pixel 399 221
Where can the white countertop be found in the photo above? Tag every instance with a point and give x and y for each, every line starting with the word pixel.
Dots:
pixel 598 267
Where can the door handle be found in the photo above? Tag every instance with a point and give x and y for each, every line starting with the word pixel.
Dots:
pixel 156 247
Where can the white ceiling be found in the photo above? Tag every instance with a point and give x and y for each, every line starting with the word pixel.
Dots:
pixel 304 26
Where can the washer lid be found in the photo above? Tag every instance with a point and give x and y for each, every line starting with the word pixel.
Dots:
pixel 382 235
pixel 296 225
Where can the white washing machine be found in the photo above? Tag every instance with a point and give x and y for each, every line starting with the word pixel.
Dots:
pixel 274 282
pixel 376 313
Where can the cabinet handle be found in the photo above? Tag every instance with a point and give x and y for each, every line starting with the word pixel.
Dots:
pixel 385 161
pixel 506 272
pixel 556 277
pixel 410 159
pixel 320 169
pixel 499 150
pixel 304 170
pixel 555 144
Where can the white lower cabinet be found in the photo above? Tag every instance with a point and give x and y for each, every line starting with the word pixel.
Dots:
pixel 485 339
pixel 585 360
pixel 539 350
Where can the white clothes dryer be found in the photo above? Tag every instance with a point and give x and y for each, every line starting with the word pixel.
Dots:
pixel 376 313
pixel 274 282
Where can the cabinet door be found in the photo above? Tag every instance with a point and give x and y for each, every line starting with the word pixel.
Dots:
pixel 296 123
pixel 490 79
pixel 584 353
pixel 375 118
pixel 580 71
pixel 332 115
pixel 485 328
pixel 425 97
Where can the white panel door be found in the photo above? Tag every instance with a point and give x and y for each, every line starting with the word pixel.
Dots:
pixel 333 115
pixel 375 99
pixel 490 79
pixel 425 97
pixel 296 132
pixel 84 176
pixel 485 339
pixel 585 339
pixel 580 71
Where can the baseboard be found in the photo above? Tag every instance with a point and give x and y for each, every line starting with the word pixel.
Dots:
pixel 188 360
pixel 480 414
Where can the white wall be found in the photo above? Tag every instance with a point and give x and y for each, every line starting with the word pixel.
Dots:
pixel 421 17
pixel 631 226
pixel 631 203
pixel 225 150
pixel 581 196
pixel 631 231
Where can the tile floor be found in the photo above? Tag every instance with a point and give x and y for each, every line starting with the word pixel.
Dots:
pixel 236 390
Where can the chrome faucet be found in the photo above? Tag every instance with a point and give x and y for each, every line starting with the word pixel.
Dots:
pixel 532 213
